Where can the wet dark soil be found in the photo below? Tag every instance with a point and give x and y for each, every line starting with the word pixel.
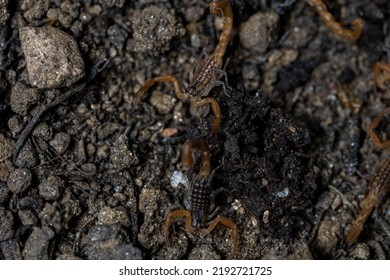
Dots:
pixel 92 177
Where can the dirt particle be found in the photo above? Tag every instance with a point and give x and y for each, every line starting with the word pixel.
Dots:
pixel 7 224
pixel 52 56
pixel 6 148
pixel 60 142
pixel 259 33
pixel 22 97
pixel 107 242
pixel 110 216
pixel 117 36
pixel 51 188
pixel 203 252
pixel 15 124
pixel 38 244
pixel 154 29
pixel 163 102
pixel 150 235
pixel 27 156
pixel 50 216
pixel 121 155
pixel 4 14
pixel 361 252
pixel 27 218
pixel 327 239
pixel 19 180
pixel 35 9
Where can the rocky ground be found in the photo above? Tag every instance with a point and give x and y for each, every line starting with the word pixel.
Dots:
pixel 85 171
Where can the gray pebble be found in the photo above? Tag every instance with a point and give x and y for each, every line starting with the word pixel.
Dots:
pixel 259 32
pixel 121 156
pixel 50 216
pixel 27 218
pixel 89 168
pixel 7 224
pixel 154 29
pixel 38 244
pixel 6 148
pixel 52 56
pixel 327 237
pixel 60 142
pixel 19 180
pixel 22 97
pixel 107 242
pixel 27 156
pixel 51 188
pixel 37 10
pixel 110 216
pixel 117 36
pixel 15 124
pixel 4 14
pixel 4 192
pixel 361 252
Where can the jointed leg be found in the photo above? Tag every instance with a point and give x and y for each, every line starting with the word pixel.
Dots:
pixel 228 223
pixel 374 136
pixel 177 214
pixel 216 110
pixel 151 82
pixel 380 80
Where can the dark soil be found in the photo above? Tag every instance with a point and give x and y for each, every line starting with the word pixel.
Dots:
pixel 85 172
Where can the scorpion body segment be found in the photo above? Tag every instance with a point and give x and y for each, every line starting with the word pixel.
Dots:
pixel 380 186
pixel 208 74
pixel 201 197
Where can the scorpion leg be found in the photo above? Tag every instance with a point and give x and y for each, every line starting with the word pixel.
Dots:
pixel 228 223
pixel 165 79
pixel 374 136
pixel 380 80
pixel 216 110
pixel 351 35
pixel 177 214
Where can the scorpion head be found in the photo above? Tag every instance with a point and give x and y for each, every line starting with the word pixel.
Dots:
pixel 191 91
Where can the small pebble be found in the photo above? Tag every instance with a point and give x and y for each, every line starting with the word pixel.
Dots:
pixel 19 180
pixel 52 56
pixel 37 10
pixel 4 14
pixel 154 29
pixel 51 188
pixel 38 244
pixel 60 142
pixel 27 218
pixel 7 224
pixel 51 216
pixel 259 33
pixel 27 156
pixel 121 156
pixel 327 237
pixel 110 216
pixel 22 97
pixel 361 252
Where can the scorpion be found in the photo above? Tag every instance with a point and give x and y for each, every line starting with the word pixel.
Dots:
pixel 380 185
pixel 201 197
pixel 209 72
